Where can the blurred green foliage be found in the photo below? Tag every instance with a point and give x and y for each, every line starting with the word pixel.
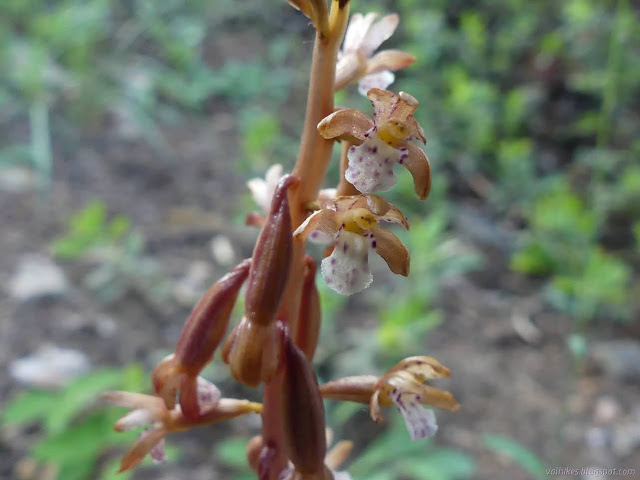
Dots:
pixel 116 252
pixel 76 433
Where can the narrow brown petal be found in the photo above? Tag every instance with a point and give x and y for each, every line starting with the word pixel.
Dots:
pixel 323 221
pixel 389 60
pixel 310 316
pixel 347 124
pixel 338 454
pixel 423 368
pixel 353 389
pixel 209 320
pixel 418 165
pixel 302 413
pixel 392 250
pixel 438 398
pixel 253 451
pixel 271 259
pixel 394 215
pixel 141 448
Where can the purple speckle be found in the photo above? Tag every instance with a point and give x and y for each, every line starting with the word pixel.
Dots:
pixel 345 247
pixel 374 244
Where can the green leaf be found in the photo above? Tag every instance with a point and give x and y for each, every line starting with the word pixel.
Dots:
pixel 77 396
pixel 442 464
pixel 27 406
pixel 231 453
pixel 521 455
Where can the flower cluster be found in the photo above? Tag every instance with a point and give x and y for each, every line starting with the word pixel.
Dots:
pixel 275 340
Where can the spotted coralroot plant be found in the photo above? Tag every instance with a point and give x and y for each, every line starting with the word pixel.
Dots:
pixel 274 342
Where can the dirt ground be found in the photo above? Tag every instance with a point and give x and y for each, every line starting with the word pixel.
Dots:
pixel 512 368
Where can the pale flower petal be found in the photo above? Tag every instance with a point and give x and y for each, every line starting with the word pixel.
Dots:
pixel 371 165
pixel 420 421
pixel 375 80
pixel 341 476
pixel 134 419
pixel 357 31
pixel 262 190
pixel 157 452
pixel 208 394
pixel 346 270
pixel 379 32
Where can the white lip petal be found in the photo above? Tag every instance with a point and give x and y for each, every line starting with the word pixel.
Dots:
pixel 379 80
pixel 379 32
pixel 357 31
pixel 420 421
pixel 208 394
pixel 135 418
pixel 371 165
pixel 346 270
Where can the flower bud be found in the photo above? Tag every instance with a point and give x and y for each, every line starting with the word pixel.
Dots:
pixel 253 450
pixel 209 320
pixel 253 351
pixel 310 314
pixel 302 414
pixel 200 336
pixel 271 259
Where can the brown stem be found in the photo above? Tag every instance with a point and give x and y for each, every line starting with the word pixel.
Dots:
pixel 311 167
pixel 344 187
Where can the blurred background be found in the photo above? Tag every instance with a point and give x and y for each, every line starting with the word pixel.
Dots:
pixel 128 129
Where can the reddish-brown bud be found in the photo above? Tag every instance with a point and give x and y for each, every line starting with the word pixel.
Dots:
pixel 253 351
pixel 271 259
pixel 200 336
pixel 209 320
pixel 302 414
pixel 253 450
pixel 310 315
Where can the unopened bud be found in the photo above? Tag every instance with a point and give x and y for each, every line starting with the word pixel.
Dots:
pixel 310 315
pixel 200 336
pixel 253 351
pixel 302 414
pixel 253 450
pixel 271 259
pixel 209 320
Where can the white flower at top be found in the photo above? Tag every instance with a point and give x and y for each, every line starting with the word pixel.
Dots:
pixel 357 61
pixel 262 189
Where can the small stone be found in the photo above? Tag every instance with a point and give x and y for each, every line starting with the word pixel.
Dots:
pixel 607 409
pixel 619 358
pixel 222 250
pixel 49 367
pixel 37 277
pixel 17 179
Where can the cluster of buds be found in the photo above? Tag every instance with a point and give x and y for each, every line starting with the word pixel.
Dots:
pixel 275 340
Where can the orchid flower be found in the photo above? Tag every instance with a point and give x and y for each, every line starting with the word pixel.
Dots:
pixel 351 223
pixel 402 386
pixel 152 411
pixel 357 62
pixel 379 144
